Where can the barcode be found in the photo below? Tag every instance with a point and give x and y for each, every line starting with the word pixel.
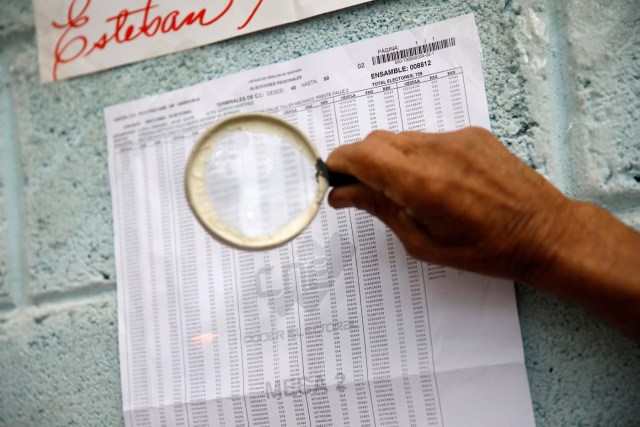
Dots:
pixel 413 51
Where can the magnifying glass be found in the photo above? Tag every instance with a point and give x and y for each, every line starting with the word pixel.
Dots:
pixel 255 182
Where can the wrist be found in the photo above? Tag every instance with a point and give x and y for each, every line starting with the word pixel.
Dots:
pixel 593 263
pixel 556 241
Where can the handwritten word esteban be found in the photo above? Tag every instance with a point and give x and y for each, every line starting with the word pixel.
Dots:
pixel 127 25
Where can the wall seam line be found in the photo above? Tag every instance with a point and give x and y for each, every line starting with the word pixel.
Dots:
pixel 558 86
pixel 92 290
pixel 13 189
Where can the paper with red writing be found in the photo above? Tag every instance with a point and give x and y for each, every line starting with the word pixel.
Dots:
pixel 82 36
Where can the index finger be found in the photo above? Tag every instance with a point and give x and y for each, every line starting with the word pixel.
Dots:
pixel 383 162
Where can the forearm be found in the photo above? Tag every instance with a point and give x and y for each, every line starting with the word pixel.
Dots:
pixel 595 263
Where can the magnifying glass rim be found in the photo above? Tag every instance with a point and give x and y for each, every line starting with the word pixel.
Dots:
pixel 199 201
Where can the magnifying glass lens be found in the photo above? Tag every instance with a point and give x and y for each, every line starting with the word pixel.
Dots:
pixel 258 182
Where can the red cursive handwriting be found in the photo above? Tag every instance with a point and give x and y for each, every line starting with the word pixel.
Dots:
pixel 72 43
pixel 63 45
pixel 255 9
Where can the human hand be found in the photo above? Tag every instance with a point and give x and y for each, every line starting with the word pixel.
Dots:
pixel 462 199
pixel 459 199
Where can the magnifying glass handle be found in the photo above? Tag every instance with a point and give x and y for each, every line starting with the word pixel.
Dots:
pixel 341 179
pixel 335 179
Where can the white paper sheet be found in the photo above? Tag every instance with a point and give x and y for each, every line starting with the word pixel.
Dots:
pixel 339 327
pixel 82 36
